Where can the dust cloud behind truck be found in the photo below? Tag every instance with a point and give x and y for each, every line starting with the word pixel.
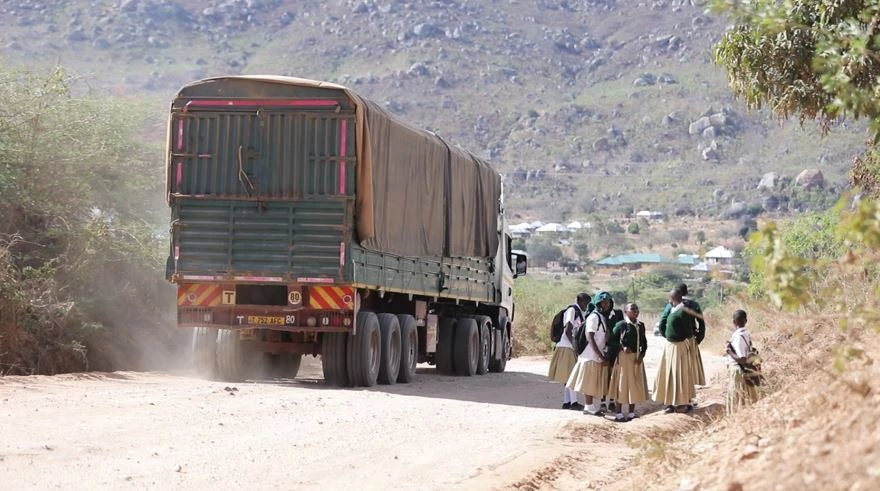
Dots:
pixel 308 221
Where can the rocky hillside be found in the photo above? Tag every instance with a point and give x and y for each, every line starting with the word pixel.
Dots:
pixel 585 105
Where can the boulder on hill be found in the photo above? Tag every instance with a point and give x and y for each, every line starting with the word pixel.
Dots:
pixel 735 210
pixel 770 180
pixel 810 178
pixel 698 126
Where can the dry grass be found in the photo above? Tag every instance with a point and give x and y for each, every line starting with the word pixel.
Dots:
pixel 538 299
pixel 816 424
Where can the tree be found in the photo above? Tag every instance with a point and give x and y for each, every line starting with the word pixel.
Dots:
pixel 582 250
pixel 816 60
pixel 701 237
pixel 541 252
pixel 83 269
pixel 633 228
pixel 679 234
pixel 614 228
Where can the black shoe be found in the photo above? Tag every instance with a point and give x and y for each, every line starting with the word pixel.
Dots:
pixel 577 406
pixel 599 413
pixel 567 405
pixel 612 407
pixel 689 408
pixel 669 409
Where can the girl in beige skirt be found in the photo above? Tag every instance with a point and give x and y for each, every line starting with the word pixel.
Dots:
pixel 589 378
pixel 564 356
pixel 629 383
pixel 699 375
pixel 674 385
pixel 591 372
pixel 739 348
pixel 562 364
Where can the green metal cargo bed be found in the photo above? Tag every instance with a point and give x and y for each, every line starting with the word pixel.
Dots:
pixel 264 188
pixel 307 242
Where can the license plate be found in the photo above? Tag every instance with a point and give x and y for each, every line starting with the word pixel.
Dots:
pixel 262 320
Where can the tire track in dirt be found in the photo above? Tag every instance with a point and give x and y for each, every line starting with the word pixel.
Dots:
pixel 598 450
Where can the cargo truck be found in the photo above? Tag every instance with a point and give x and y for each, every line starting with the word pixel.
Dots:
pixel 306 220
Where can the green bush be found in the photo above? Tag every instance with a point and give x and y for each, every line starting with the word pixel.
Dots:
pixel 809 239
pixel 542 251
pixel 80 202
pixel 614 228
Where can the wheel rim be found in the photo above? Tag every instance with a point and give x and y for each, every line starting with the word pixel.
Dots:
pixel 506 346
pixel 411 352
pixel 395 354
pixel 374 352
pixel 484 348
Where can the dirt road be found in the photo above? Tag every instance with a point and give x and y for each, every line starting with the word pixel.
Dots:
pixel 128 430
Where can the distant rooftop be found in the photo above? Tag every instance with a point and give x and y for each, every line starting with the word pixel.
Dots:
pixel 720 252
pixel 687 259
pixel 635 258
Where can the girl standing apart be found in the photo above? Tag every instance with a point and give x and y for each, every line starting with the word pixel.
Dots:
pixel 741 389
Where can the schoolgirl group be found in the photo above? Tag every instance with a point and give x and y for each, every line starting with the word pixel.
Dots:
pixel 610 370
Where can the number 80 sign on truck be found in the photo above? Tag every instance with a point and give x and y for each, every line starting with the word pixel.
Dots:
pixel 306 220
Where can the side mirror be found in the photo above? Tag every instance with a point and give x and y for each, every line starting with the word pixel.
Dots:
pixel 520 262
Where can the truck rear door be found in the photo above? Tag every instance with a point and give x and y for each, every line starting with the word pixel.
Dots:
pixel 261 189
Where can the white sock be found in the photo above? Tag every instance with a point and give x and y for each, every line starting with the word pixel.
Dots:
pixel 593 407
pixel 566 398
pixel 632 415
pixel 572 395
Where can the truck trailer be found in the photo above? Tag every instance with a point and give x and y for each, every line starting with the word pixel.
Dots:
pixel 306 220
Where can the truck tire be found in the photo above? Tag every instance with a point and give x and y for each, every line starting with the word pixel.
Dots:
pixel 367 345
pixel 235 362
pixel 485 325
pixel 341 358
pixel 467 347
pixel 498 366
pixel 329 358
pixel 445 339
pixel 351 374
pixel 409 348
pixel 334 346
pixel 204 351
pixel 390 353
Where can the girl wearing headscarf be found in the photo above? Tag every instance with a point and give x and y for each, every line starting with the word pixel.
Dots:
pixel 629 383
pixel 590 373
pixel 674 385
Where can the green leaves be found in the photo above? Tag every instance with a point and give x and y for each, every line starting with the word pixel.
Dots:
pixel 787 277
pixel 824 261
pixel 815 59
pixel 82 196
pixel 860 229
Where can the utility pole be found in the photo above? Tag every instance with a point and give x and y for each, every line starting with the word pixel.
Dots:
pixel 634 288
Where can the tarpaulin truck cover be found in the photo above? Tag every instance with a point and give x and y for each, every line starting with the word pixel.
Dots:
pixel 416 195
